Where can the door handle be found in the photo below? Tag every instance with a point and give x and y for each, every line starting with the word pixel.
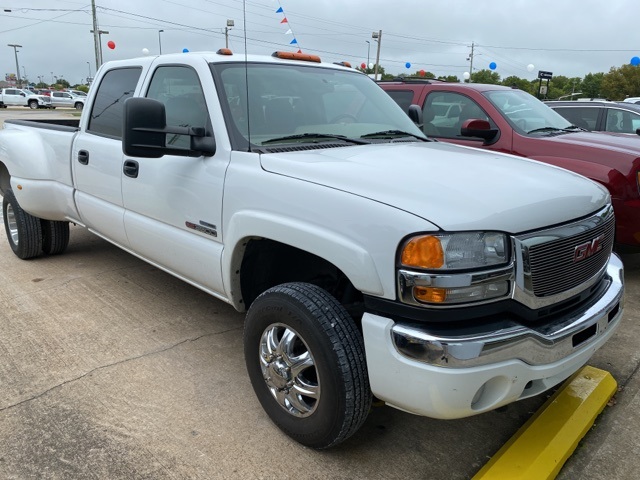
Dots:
pixel 130 168
pixel 83 157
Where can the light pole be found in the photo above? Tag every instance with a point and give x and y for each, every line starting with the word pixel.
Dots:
pixel 89 77
pixel 100 32
pixel 230 23
pixel 51 78
pixel 160 40
pixel 24 75
pixel 368 50
pixel 377 36
pixel 15 52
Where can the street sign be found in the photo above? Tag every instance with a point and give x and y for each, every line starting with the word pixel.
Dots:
pixel 545 75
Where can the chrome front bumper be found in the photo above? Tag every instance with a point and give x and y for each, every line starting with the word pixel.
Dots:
pixel 534 346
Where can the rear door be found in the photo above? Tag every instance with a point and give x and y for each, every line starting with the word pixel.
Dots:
pixel 97 158
pixel 13 96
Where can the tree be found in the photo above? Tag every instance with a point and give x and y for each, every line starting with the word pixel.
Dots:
pixel 591 84
pixel 486 76
pixel 517 82
pixel 621 82
pixel 449 78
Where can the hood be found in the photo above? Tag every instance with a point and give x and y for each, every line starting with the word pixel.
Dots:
pixel 454 187
pixel 624 145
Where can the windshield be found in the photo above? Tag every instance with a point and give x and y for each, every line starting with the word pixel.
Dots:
pixel 525 113
pixel 293 103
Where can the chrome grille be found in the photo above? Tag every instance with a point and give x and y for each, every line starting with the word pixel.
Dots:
pixel 556 266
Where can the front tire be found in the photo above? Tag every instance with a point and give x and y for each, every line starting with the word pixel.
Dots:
pixel 33 104
pixel 305 359
pixel 79 105
pixel 24 231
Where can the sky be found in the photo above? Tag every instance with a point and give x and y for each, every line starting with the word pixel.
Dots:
pixel 566 38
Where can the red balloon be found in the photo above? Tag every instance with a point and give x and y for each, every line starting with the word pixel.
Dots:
pixel 422 72
pixel 111 44
pixel 363 65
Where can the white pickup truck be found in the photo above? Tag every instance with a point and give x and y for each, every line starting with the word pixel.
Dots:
pixel 16 97
pixel 443 280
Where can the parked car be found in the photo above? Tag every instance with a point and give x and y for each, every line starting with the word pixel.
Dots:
pixel 632 100
pixel 617 117
pixel 67 99
pixel 22 98
pixel 44 92
pixel 508 120
pixel 79 93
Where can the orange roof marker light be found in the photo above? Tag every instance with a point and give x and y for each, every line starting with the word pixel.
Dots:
pixel 224 51
pixel 305 57
pixel 344 64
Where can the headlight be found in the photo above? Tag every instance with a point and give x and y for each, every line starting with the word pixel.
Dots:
pixel 456 251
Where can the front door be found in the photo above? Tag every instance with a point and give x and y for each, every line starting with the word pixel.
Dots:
pixel 174 203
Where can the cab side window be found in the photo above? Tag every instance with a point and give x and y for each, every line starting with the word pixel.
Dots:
pixel 107 111
pixel 179 88
pixel 622 121
pixel 445 112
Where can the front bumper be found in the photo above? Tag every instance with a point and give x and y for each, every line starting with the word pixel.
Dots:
pixel 454 377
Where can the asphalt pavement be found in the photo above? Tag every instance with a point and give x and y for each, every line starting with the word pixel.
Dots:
pixel 113 369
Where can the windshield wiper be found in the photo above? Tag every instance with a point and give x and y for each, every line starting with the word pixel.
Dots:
pixel 315 136
pixel 392 134
pixel 545 129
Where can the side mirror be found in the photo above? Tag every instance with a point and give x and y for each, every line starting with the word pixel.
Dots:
pixel 22 94
pixel 145 132
pixel 415 114
pixel 475 127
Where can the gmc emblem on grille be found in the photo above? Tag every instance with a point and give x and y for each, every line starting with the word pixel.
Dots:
pixel 587 249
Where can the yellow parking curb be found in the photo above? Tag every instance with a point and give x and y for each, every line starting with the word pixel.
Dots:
pixel 539 449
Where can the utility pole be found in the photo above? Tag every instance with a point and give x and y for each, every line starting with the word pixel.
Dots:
pixel 96 36
pixel 470 58
pixel 377 36
pixel 15 52
pixel 160 40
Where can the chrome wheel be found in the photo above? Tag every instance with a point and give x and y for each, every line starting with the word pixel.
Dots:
pixel 289 370
pixel 12 225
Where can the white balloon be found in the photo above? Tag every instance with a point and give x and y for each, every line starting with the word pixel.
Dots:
pixel 371 65
pixel 466 75
pixel 530 67
pixel 145 51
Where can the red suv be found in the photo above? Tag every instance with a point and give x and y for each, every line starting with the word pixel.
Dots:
pixel 508 120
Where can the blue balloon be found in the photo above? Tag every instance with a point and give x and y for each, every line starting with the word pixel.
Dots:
pixel 635 61
pixel 493 65
pixel 408 65
pixel 185 50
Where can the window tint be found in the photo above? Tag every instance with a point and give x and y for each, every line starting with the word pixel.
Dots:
pixel 106 114
pixel 445 112
pixel 583 117
pixel 178 87
pixel 404 98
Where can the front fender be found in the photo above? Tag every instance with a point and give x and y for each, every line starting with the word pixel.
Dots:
pixel 350 257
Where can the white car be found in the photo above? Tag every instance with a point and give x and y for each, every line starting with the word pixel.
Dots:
pixel 67 99
pixel 632 100
pixel 25 98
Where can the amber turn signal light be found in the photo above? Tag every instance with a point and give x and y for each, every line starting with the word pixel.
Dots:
pixel 423 252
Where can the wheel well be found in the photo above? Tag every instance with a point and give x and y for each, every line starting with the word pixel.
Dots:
pixel 267 263
pixel 5 179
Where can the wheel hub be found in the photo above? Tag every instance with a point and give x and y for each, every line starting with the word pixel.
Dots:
pixel 279 374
